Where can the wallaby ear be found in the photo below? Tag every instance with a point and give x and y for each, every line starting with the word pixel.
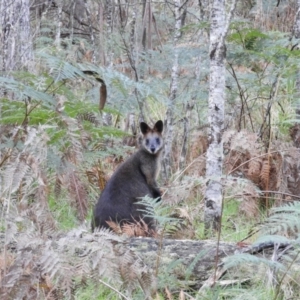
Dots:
pixel 144 128
pixel 159 125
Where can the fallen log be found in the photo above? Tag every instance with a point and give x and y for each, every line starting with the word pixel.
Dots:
pixel 194 263
pixel 195 259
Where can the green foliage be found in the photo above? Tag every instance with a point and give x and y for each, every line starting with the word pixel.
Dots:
pixel 156 210
pixel 263 66
pixel 22 92
pixel 234 224
pixel 94 291
pixel 284 220
pixel 243 258
pixel 60 69
pixel 237 293
pixel 63 213
pixel 195 26
pixel 248 38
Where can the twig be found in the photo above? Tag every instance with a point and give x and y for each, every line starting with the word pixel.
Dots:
pixel 281 193
pixel 242 97
pixel 273 94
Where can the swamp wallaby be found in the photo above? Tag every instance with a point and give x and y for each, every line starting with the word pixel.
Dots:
pixel 133 179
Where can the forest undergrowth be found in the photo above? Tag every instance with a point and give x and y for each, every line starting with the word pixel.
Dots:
pixel 70 118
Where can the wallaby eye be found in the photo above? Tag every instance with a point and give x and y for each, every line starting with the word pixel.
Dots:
pixel 157 141
pixel 147 142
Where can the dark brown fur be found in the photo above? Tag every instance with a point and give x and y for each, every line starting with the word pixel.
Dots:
pixel 134 179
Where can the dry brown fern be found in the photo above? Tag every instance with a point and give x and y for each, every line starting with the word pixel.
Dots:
pixel 265 174
pixel 139 229
pixel 183 191
pixel 115 227
pixel 45 267
pixel 254 170
pixel 58 185
pixel 240 148
pixel 182 226
pixel 250 207
pixel 295 134
pixel 132 229
pixel 196 163
pixel 97 176
pixel 246 158
pixel 288 164
pixel 199 145
pixel 246 192
pixel 245 154
pixel 130 127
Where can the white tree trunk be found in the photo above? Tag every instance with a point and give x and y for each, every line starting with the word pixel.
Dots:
pixel 217 52
pixel 167 163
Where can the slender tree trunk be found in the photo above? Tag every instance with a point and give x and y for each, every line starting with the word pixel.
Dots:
pixel 167 162
pixel 109 12
pixel 92 36
pixel 217 53
pixel 296 34
pixel 190 104
pixel 133 58
pixel 72 14
pixel 146 35
pixel 59 24
pixel 101 38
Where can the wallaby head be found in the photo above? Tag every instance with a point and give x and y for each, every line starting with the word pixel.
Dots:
pixel 152 138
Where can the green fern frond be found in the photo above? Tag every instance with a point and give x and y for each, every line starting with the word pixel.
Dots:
pixel 245 258
pixel 12 112
pixel 271 239
pixel 247 37
pixel 60 69
pixel 197 258
pixel 284 219
pixel 155 210
pixel 25 92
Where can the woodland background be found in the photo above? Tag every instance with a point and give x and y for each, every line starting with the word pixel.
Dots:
pixel 76 79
